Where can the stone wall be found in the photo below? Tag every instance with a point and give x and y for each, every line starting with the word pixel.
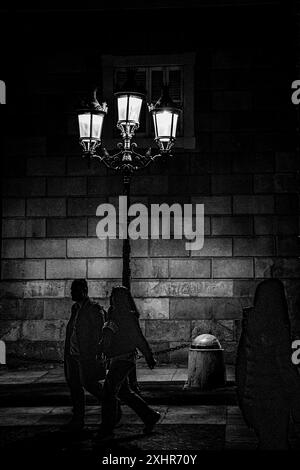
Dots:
pixel 244 169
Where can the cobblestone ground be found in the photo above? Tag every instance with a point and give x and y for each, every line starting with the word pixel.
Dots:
pixel 35 405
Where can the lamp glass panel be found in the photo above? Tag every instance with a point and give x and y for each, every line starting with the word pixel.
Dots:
pixel 84 125
pixel 135 104
pixel 87 120
pixel 175 120
pixel 164 122
pixel 97 124
pixel 122 107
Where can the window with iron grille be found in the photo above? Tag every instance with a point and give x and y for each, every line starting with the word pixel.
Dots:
pixel 151 79
pixel 151 73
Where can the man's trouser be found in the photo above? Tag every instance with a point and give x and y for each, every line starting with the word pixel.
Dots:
pixel 81 374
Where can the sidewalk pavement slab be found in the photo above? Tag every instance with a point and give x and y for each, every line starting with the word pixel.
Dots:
pixel 56 375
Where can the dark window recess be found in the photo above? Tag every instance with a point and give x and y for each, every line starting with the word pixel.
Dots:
pixel 151 79
pixel 157 78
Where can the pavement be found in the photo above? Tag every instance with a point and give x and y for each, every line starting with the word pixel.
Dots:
pixel 34 404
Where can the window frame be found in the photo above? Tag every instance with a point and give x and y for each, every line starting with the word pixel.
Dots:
pixel 185 60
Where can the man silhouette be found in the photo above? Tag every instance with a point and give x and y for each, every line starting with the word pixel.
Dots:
pixel 83 334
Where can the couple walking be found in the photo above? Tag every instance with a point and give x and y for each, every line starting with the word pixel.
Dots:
pixel 117 334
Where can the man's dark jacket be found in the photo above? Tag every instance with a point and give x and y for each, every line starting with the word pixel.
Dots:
pixel 89 325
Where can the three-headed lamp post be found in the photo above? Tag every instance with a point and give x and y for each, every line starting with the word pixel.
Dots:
pixel 165 116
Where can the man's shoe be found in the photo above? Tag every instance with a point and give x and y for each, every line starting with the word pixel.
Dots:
pixel 74 425
pixel 151 422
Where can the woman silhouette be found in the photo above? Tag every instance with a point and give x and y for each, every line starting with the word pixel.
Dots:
pixel 122 335
pixel 268 384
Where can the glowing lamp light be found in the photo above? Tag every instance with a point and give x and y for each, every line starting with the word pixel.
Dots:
pixel 129 107
pixel 165 118
pixel 129 103
pixel 90 119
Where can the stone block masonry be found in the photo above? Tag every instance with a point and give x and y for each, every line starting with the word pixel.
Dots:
pixel 243 168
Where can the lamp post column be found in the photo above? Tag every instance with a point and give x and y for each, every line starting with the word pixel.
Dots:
pixel 126 274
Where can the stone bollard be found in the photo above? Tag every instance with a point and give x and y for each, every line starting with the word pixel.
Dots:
pixel 206 368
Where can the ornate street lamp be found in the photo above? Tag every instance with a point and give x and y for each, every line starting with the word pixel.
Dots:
pixel 90 119
pixel 127 160
pixel 129 110
pixel 165 118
